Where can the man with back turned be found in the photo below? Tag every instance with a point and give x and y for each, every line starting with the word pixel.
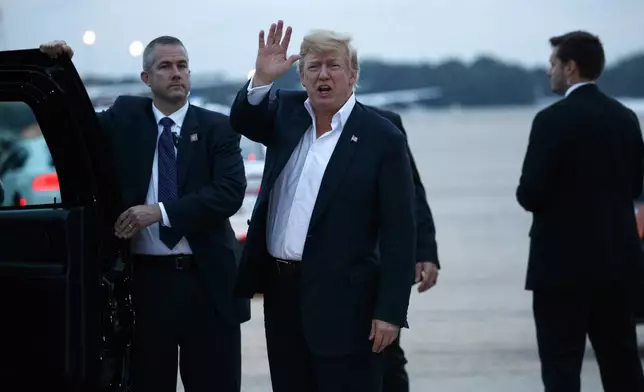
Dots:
pixel 581 173
pixel 395 377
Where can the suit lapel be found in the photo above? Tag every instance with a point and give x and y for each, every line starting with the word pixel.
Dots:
pixel 298 125
pixel 338 164
pixel 147 142
pixel 189 138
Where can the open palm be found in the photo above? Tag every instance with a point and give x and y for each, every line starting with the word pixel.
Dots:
pixel 271 56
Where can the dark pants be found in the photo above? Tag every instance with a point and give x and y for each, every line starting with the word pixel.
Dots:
pixel 604 314
pixel 395 376
pixel 173 311
pixel 293 367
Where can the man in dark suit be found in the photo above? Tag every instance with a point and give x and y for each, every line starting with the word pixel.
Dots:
pixel 427 265
pixel 581 173
pixel 337 178
pixel 182 176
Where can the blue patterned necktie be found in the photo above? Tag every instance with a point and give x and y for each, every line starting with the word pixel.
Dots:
pixel 167 188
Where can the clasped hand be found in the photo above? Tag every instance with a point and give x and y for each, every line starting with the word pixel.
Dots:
pixel 135 219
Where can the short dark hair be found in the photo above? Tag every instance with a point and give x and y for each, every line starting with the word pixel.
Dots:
pixel 583 48
pixel 148 53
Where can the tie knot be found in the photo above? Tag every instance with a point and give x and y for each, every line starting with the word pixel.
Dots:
pixel 166 122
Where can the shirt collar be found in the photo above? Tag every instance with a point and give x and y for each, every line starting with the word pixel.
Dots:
pixel 340 118
pixel 177 116
pixel 576 86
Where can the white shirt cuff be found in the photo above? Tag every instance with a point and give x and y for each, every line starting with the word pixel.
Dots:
pixel 256 94
pixel 164 215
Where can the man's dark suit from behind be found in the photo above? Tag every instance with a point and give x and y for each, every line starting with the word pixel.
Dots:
pixel 581 173
pixel 395 377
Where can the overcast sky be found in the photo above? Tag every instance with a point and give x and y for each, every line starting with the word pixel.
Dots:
pixel 221 34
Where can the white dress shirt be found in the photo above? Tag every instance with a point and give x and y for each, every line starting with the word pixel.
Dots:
pixel 576 86
pixel 147 241
pixel 296 189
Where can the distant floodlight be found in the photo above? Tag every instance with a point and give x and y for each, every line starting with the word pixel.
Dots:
pixel 89 37
pixel 251 73
pixel 136 48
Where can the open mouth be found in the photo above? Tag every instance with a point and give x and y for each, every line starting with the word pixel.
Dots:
pixel 324 90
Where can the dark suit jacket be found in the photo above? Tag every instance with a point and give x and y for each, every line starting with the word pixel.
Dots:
pixel 582 171
pixel 211 180
pixel 367 189
pixel 426 248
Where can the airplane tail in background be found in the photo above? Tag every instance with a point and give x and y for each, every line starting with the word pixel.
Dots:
pixel 396 97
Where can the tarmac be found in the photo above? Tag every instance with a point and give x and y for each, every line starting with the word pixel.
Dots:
pixel 474 331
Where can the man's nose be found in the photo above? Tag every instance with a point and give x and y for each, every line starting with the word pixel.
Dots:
pixel 324 72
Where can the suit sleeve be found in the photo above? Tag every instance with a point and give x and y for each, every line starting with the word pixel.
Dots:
pixel 546 149
pixel 106 117
pixel 255 120
pixel 223 196
pixel 426 247
pixel 104 120
pixel 398 233
pixel 106 138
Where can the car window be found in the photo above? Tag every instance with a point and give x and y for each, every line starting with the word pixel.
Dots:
pixel 26 166
pixel 251 151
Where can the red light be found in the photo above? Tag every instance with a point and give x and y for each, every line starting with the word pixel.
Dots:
pixel 250 191
pixel 46 183
pixel 22 202
pixel 639 219
pixel 252 157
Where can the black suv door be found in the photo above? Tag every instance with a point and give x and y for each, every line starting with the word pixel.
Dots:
pixel 65 314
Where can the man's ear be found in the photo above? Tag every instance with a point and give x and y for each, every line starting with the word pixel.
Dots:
pixel 302 79
pixel 145 77
pixel 570 68
pixel 354 78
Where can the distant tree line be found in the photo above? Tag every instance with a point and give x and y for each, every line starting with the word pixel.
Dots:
pixel 484 82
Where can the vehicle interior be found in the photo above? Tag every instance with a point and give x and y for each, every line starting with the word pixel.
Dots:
pixel 64 290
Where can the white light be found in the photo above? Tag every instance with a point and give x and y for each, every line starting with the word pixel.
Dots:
pixel 136 48
pixel 251 73
pixel 89 37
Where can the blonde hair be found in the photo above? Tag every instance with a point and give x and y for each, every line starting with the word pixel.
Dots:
pixel 319 41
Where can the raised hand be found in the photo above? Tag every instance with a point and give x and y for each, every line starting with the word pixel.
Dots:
pixel 271 56
pixel 54 49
